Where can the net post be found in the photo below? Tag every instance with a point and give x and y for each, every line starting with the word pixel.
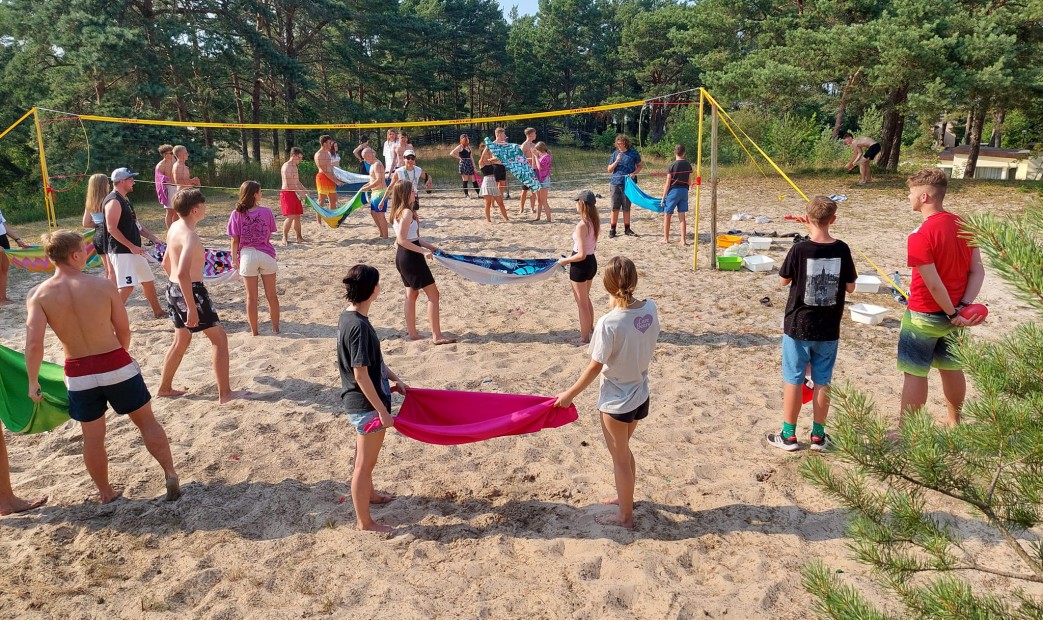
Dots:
pixel 713 186
pixel 698 182
pixel 48 195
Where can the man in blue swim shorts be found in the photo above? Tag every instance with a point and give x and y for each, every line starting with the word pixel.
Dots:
pixel 675 193
pixel 377 188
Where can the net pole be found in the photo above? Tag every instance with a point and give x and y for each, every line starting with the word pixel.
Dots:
pixel 18 122
pixel 698 183
pixel 48 196
pixel 713 186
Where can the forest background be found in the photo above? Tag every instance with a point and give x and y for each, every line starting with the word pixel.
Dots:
pixel 796 74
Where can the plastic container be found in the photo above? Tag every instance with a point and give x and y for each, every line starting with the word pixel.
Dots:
pixel 729 263
pixel 740 250
pixel 724 241
pixel 760 243
pixel 759 263
pixel 868 284
pixel 868 314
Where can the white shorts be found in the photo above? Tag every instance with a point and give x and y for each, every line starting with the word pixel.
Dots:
pixel 171 192
pixel 253 262
pixel 489 187
pixel 131 269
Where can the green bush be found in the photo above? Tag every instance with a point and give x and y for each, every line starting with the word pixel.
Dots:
pixel 828 152
pixel 790 139
pixel 606 140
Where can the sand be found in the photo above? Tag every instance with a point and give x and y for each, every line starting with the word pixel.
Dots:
pixel 499 529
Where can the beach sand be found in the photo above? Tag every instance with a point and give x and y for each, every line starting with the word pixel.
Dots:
pixel 499 529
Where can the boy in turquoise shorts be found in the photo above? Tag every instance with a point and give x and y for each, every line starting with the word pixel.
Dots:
pixel 820 272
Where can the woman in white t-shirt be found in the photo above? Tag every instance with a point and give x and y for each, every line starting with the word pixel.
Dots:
pixel 620 351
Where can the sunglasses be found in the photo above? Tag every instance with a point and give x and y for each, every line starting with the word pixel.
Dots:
pixel 410 156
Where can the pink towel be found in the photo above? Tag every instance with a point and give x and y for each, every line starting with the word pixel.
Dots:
pixel 447 418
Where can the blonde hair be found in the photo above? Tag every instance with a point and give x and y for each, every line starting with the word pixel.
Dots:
pixel 97 190
pixel 61 244
pixel 930 177
pixel 621 281
pixel 541 147
pixel 401 199
pixel 820 209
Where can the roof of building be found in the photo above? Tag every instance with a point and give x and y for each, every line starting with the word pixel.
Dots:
pixel 985 151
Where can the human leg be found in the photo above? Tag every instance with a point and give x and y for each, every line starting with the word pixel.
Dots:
pixel 219 361
pixel 503 209
pixel 524 197
pixel 171 362
pixel 250 283
pixel 110 273
pixel 125 293
pixel 921 344
pixel 954 386
pixel 488 209
pixel 297 227
pixel 5 266
pixel 581 293
pixel 367 450
pixel 411 297
pixel 9 502
pixel 272 295
pixel 914 394
pixel 149 289
pixel 96 459
pixel 286 224
pixel 624 468
pixel 157 444
pixel 433 298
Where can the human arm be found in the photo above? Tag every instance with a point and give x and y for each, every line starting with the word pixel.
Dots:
pixel 113 209
pixel 975 278
pixel 581 232
pixel 934 284
pixel 183 276
pixel 18 239
pixel 361 374
pixel 638 168
pixel 88 221
pixel 615 161
pixel 358 150
pixel 784 282
pixel 400 385
pixel 35 326
pixel 119 319
pixel 666 186
pixel 857 154
pixel 235 251
pixel 403 230
pixel 587 377
pixel 456 151
pixel 148 233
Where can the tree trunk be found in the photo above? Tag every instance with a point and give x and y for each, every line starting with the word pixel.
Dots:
pixel 967 127
pixel 896 145
pixel 838 121
pixel 240 118
pixel 255 114
pixel 291 86
pixel 972 157
pixel 997 129
pixel 893 122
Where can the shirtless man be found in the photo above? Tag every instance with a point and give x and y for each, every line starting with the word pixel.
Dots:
pixel 499 170
pixel 290 195
pixel 182 177
pixel 400 150
pixel 865 150
pixel 325 180
pixel 528 148
pixel 126 255
pixel 9 502
pixel 88 317
pixel 377 188
pixel 164 178
pixel 183 263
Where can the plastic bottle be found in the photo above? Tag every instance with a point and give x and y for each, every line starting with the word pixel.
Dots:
pixel 895 293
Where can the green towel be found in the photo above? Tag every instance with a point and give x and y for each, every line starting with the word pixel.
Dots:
pixel 17 411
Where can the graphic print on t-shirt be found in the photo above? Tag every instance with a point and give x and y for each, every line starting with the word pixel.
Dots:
pixel 823 281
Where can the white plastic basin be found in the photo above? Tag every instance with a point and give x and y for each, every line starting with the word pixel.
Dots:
pixel 868 314
pixel 760 243
pixel 759 263
pixel 868 284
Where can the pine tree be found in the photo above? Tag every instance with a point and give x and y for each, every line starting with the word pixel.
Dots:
pixel 992 464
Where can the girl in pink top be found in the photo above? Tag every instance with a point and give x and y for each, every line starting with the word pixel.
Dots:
pixel 583 265
pixel 542 161
pixel 251 226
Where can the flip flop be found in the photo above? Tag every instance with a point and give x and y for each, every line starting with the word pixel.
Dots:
pixel 766 301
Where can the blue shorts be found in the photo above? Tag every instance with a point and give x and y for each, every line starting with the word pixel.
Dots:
pixel 378 201
pixel 676 199
pixel 97 381
pixel 361 420
pixel 796 354
pixel 925 342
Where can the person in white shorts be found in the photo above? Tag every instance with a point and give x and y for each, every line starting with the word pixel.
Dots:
pixel 124 243
pixel 251 227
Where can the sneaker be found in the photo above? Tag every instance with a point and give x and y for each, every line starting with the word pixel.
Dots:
pixel 612 233
pixel 821 444
pixel 630 233
pixel 789 445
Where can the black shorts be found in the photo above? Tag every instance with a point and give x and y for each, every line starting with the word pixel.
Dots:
pixel 499 172
pixel 620 202
pixel 177 308
pixel 4 243
pixel 584 270
pixel 99 239
pixel 871 152
pixel 632 416
pixel 412 266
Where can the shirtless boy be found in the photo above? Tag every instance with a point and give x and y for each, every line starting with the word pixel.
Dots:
pixel 377 188
pixel 88 317
pixel 325 179
pixel 183 263
pixel 528 148
pixel 165 186
pixel 290 195
pixel 865 150
pixel 182 176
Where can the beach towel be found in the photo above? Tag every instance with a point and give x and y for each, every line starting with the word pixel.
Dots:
pixel 334 218
pixel 448 418
pixel 17 411
pixel 349 183
pixel 510 155
pixel 34 259
pixel 639 198
pixel 488 270
pixel 217 269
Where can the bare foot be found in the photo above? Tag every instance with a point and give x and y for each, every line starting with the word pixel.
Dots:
pixel 300 239
pixel 664 241
pixel 380 498
pixel 415 337
pixel 579 342
pixel 233 396
pixel 610 501
pixel 21 505
pixel 252 333
pixel 173 488
pixel 5 302
pixel 275 330
pixel 170 393
pixel 615 520
pixel 438 341
pixel 375 527
pixel 111 496
pixel 158 314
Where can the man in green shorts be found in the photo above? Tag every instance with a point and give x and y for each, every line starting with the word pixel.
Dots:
pixel 377 188
pixel 947 275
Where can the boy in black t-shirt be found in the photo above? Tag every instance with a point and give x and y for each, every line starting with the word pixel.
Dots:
pixel 365 391
pixel 820 273
pixel 675 193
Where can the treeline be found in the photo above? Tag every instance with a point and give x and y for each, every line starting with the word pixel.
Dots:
pixel 907 64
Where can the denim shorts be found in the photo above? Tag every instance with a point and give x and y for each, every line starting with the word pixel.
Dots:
pixel 676 200
pixel 361 420
pixel 796 354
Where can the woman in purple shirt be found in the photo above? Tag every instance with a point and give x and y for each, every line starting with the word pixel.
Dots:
pixel 251 226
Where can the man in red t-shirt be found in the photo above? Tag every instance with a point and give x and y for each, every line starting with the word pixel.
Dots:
pixel 947 275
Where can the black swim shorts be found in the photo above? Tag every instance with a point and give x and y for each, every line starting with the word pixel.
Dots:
pixel 177 307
